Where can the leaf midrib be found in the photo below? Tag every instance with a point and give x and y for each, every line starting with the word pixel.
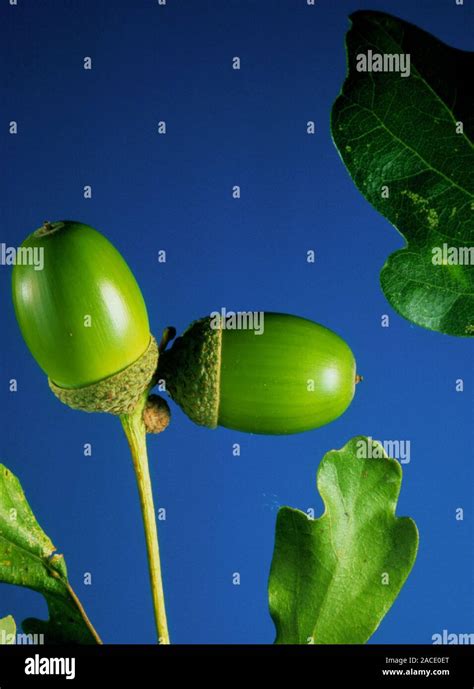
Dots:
pixel 338 566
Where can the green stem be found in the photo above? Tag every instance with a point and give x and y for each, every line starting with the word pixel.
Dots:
pixel 83 614
pixel 76 602
pixel 136 435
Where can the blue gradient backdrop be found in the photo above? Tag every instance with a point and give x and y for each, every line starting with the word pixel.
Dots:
pixel 173 192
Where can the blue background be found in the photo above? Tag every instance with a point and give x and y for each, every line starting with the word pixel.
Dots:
pixel 173 192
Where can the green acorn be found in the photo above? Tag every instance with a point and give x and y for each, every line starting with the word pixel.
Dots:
pixel 294 376
pixel 84 319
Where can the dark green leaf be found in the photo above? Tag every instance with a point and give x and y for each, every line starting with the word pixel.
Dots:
pixel 401 133
pixel 28 558
pixel 333 579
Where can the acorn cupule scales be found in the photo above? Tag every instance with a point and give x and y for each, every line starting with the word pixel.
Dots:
pixel 295 376
pixel 118 394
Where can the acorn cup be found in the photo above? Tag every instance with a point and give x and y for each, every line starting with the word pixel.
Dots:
pixel 84 319
pixel 294 376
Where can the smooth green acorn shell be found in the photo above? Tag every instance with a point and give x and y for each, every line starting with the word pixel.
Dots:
pixel 295 376
pixel 83 316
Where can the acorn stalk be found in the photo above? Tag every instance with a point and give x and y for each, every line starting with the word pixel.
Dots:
pixel 134 428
